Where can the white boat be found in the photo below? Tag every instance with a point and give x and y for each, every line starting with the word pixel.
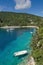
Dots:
pixel 7 30
pixel 11 29
pixel 31 32
pixel 20 53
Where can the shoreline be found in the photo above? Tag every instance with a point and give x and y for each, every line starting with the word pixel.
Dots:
pixel 31 61
pixel 7 27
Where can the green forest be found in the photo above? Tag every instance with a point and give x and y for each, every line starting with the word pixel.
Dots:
pixel 15 19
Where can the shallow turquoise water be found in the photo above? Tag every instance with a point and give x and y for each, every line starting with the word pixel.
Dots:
pixel 12 41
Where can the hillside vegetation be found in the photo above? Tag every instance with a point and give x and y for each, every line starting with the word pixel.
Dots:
pixel 15 19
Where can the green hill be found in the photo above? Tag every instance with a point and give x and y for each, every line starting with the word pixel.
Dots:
pixel 13 19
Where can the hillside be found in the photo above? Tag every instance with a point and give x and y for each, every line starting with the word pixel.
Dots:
pixel 13 19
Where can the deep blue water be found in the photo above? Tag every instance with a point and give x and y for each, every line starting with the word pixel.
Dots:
pixel 12 41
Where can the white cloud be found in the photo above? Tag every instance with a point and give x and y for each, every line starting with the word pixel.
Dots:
pixel 22 4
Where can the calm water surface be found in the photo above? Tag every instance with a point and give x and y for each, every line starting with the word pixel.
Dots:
pixel 12 41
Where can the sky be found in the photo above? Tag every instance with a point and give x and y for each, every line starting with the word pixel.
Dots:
pixel 22 6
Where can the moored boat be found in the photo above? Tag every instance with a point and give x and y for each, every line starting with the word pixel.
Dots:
pixel 20 53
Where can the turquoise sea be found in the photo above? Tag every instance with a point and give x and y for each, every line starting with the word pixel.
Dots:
pixel 12 41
